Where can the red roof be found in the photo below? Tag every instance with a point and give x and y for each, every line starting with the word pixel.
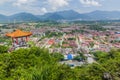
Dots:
pixel 51 41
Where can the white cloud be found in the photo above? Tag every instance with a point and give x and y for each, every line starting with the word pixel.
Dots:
pixel 43 10
pixel 36 6
pixel 90 2
pixel 29 6
pixel 4 1
pixel 23 2
pixel 37 10
pixel 55 4
pixel 20 2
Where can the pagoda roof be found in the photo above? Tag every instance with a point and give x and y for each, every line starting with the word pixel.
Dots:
pixel 18 33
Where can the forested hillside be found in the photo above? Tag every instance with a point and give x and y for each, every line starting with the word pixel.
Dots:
pixel 39 64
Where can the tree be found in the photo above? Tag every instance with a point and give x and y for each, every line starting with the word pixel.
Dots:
pixel 38 64
pixel 58 56
pixel 3 49
pixel 99 55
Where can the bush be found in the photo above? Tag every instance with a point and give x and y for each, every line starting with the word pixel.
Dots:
pixel 58 56
pixel 39 64
pixel 78 58
pixel 3 49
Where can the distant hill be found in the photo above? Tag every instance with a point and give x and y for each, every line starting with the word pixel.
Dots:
pixel 3 18
pixel 23 17
pixel 51 16
pixel 104 15
pixel 63 15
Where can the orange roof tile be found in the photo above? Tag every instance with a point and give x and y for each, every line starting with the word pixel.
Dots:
pixel 18 33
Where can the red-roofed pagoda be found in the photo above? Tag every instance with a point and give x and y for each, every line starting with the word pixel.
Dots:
pixel 19 37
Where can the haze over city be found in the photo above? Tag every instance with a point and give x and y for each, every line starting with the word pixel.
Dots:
pixel 39 7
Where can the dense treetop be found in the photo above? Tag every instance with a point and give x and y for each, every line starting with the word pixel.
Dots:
pixel 38 64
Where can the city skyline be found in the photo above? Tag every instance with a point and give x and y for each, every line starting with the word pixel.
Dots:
pixel 39 7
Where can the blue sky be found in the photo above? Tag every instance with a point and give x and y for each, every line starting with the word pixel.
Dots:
pixel 39 7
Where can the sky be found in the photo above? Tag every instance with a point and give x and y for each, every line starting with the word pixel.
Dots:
pixel 40 7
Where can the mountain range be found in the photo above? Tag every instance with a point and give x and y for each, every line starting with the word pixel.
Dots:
pixel 62 15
